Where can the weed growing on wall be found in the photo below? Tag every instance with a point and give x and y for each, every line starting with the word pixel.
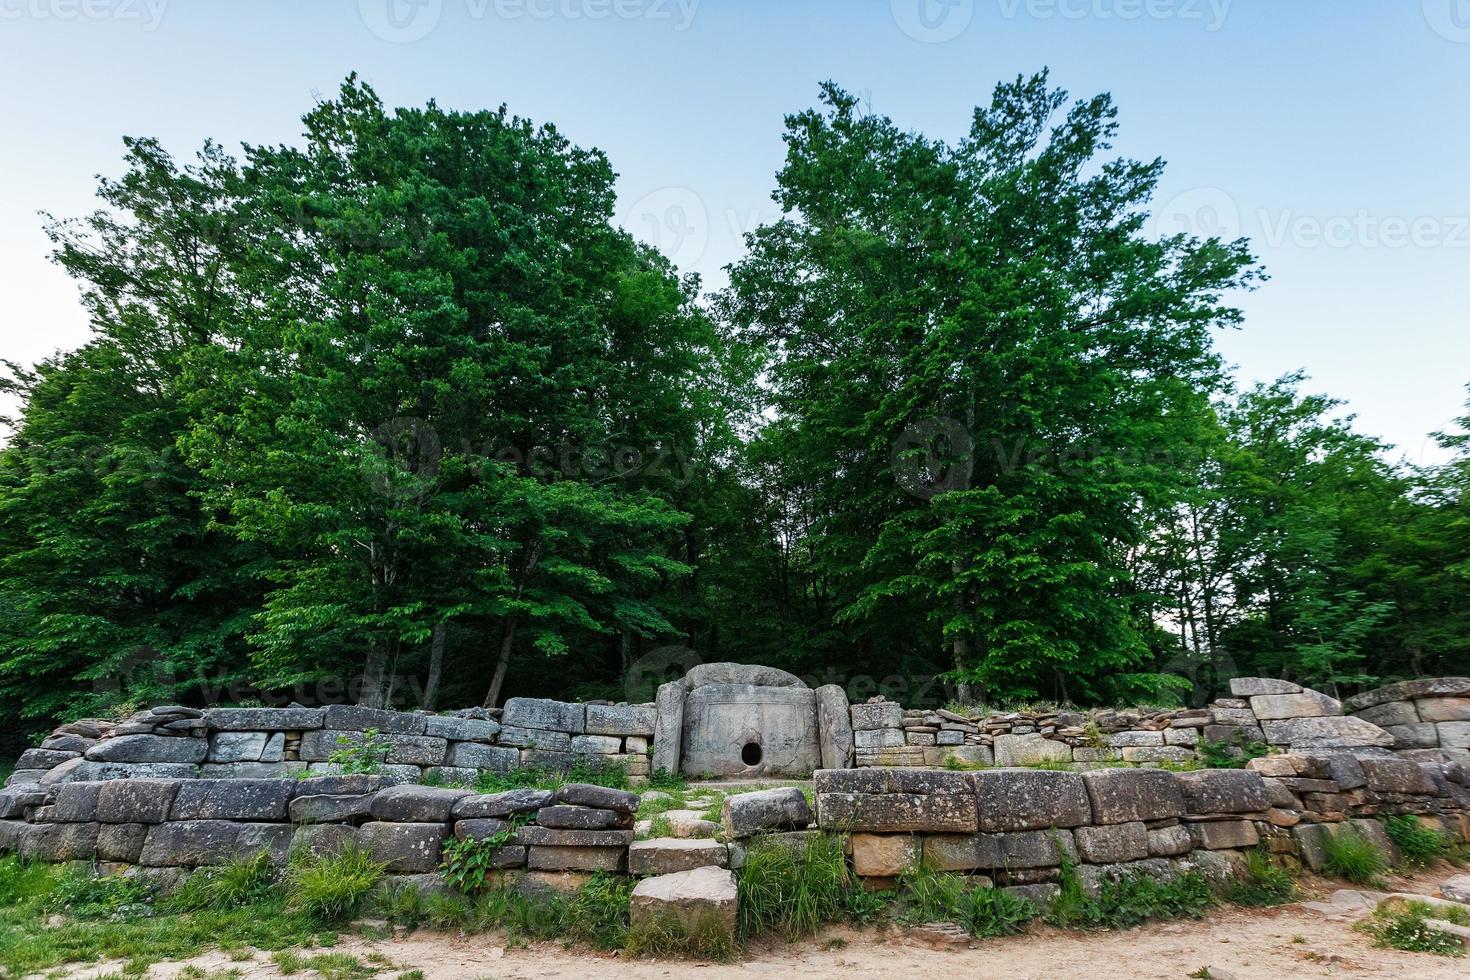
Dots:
pixel 1265 882
pixel 930 896
pixel 1348 854
pixel 794 890
pixel 1420 844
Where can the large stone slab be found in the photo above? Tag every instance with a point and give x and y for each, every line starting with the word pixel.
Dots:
pixel 237 746
pixel 536 738
pixel 559 837
pixel 1424 735
pixel 136 800
pixel 962 852
pixel 331 808
pixel 472 755
pixel 609 859
pixel 834 727
pixel 1126 795
pixel 1440 709
pixel 1249 687
pixel 149 748
pixel 748 814
pixel 897 813
pixel 1030 799
pixel 416 804
pixel 699 903
pixel 1310 733
pixel 599 797
pixel 1392 713
pixel 1307 704
pixel 233 799
pixel 1029 749
pixel 121 842
pixel 1112 844
pixel 355 718
pixel 406 848
pixel 875 716
pixel 58 842
pixel 76 803
pixel 577 818
pixel 620 719
pixel 670 855
pixel 263 719
pixel 885 855
pixel 750 731
pixel 668 732
pixel 1223 791
pixel 1397 776
pixel 745 675
pixel 505 804
pixel 545 715
pixel 1424 687
pixel 461 729
pixel 190 843
pixel 1454 734
pixel 44 758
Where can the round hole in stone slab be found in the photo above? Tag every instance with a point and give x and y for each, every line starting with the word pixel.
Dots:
pixel 751 754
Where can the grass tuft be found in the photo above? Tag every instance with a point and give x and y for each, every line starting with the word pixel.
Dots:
pixel 1265 882
pixel 332 887
pixel 1420 845
pixel 1348 854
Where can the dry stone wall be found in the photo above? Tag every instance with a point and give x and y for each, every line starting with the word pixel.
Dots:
pixel 1427 718
pixel 174 742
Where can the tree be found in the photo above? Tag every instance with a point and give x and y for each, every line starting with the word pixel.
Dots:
pixel 988 327
pixel 446 345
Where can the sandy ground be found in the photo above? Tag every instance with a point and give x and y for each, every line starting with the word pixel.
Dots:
pixel 1239 944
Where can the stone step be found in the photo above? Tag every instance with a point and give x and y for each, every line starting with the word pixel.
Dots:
pixel 670 855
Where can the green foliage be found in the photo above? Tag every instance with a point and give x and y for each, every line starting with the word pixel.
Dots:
pixel 794 890
pixel 83 895
pixel 1230 755
pixel 1419 844
pixel 1265 882
pixel 930 896
pixel 1405 927
pixel 241 881
pixel 1348 854
pixel 611 774
pixel 1128 900
pixel 331 887
pixel 364 754
pixel 662 779
pixel 468 864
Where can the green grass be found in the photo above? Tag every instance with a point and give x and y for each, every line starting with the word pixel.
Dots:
pixel 1420 845
pixel 1128 901
pixel 930 896
pixel 1348 854
pixel 1406 928
pixel 613 775
pixel 242 881
pixel 794 891
pixel 1265 882
pixel 331 887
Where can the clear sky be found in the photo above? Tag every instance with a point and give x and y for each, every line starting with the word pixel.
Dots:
pixel 1334 133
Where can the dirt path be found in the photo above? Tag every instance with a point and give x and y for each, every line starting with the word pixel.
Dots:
pixel 1270 944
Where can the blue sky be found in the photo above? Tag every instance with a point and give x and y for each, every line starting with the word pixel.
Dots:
pixel 1334 133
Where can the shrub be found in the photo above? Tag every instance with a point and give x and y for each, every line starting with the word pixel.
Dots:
pixel 793 890
pixel 1348 854
pixel 467 864
pixel 1407 928
pixel 332 887
pixel 1420 844
pixel 1265 882
pixel 1230 755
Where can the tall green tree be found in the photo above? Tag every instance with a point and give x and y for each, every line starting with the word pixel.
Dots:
pixel 968 344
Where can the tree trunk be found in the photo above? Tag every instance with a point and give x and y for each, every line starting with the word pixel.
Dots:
pixel 436 668
pixel 506 643
pixel 370 694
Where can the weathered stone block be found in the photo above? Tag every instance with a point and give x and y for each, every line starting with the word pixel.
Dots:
pixel 1036 849
pixel 1423 688
pixel 834 727
pixel 355 808
pixel 536 738
pixel 596 744
pixel 611 859
pixel 668 727
pixel 1025 750
pixel 1454 734
pixel 1424 735
pixel 121 842
pixel 878 738
pixel 504 804
pixel 670 855
pixel 884 855
pixel 1187 737
pixel 599 797
pixel 1028 799
pixel 1169 841
pixel 1222 834
pixel 1325 733
pixel 1210 791
pixel 416 804
pixel 897 813
pixel 962 852
pixel 263 719
pixel 1440 709
pixel 701 903
pixel 1158 753
pixel 58 842
pixel 545 715
pixel 1392 713
pixel 237 746
pixel 253 770
pixel 1126 795
pixel 354 718
pixel 233 799
pixel 76 803
pixel 1249 687
pixel 346 784
pixel 556 837
pixel 322 840
pixel 1397 776
pixel 406 848
pixel 190 843
pixel 461 729
pixel 149 748
pixel 620 719
pixel 1112 844
pixel 136 800
pixel 748 814
pixel 481 828
pixel 1307 704
pixel 741 730
pixel 1125 740
pixel 472 755
pixel 576 818
pixel 871 717
pixel 44 758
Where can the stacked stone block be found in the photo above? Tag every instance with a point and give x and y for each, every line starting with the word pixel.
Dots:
pixel 1429 717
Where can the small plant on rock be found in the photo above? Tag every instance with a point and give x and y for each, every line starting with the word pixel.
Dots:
pixel 1407 928
pixel 467 863
pixel 1265 882
pixel 361 755
pixel 1420 844
pixel 1348 854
